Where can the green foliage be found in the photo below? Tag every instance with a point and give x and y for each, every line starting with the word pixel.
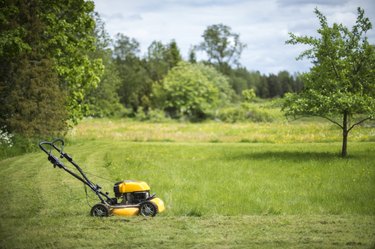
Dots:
pixel 37 101
pixel 222 46
pixel 246 112
pixel 192 90
pixel 135 83
pixel 248 95
pixel 104 101
pixel 49 41
pixel 150 115
pixel 69 36
pixel 157 61
pixel 16 145
pixel 341 82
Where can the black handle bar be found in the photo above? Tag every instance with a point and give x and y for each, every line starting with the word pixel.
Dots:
pixel 52 145
pixel 56 162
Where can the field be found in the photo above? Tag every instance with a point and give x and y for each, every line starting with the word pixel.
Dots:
pixel 223 187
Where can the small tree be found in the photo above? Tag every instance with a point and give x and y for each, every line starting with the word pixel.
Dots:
pixel 192 90
pixel 340 86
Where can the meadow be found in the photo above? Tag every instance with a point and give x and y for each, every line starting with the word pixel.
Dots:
pixel 245 185
pixel 281 131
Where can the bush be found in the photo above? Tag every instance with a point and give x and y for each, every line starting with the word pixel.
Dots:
pixel 152 115
pixel 192 91
pixel 17 145
pixel 246 112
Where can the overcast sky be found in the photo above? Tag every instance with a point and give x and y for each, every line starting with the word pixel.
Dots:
pixel 262 24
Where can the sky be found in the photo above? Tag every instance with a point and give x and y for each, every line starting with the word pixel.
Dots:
pixel 263 25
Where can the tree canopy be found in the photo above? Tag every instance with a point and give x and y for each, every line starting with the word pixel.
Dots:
pixel 192 90
pixel 340 85
pixel 222 46
pixel 59 35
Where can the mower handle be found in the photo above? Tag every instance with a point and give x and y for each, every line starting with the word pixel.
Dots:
pixel 52 144
pixel 56 162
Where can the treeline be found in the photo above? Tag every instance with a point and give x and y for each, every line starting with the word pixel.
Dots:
pixel 135 77
pixel 58 64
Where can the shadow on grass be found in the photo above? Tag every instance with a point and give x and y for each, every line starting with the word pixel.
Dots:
pixel 293 156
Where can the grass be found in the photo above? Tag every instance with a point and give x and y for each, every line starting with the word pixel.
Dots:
pixel 77 231
pixel 280 132
pixel 218 195
pixel 242 185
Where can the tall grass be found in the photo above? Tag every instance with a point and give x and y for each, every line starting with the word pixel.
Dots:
pixel 210 179
pixel 281 132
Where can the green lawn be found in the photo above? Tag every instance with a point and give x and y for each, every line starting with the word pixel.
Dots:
pixel 218 195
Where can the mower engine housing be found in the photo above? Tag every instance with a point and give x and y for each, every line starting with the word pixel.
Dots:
pixel 131 192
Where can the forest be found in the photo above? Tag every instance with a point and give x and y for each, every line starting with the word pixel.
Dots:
pixel 58 64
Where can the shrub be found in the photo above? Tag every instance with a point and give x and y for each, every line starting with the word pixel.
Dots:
pixel 152 115
pixel 246 112
pixel 193 91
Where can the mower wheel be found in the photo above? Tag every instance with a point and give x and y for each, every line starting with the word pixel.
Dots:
pixel 99 210
pixel 148 208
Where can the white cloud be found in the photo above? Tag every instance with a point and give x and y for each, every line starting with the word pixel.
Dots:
pixel 262 25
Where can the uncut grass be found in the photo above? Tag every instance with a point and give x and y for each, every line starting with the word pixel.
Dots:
pixel 276 132
pixel 210 179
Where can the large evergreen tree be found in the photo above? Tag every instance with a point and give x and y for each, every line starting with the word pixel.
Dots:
pixel 57 35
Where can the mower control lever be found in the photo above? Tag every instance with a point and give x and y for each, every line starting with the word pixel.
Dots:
pixel 55 161
pixel 67 157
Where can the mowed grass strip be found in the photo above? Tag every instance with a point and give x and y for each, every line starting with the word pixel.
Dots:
pixel 291 231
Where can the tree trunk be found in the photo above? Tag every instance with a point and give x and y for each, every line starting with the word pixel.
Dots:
pixel 345 133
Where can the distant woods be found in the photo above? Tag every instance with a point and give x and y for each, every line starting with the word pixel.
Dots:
pixel 58 64
pixel 140 76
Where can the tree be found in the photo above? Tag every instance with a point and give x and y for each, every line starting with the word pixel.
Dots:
pixel 161 58
pixel 191 90
pixel 104 101
pixel 135 82
pixel 69 38
pixel 274 86
pixel 57 34
pixel 340 85
pixel 157 66
pixel 222 46
pixel 31 101
pixel 172 54
pixel 37 100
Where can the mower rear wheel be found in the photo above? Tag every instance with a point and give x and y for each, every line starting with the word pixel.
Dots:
pixel 99 210
pixel 148 209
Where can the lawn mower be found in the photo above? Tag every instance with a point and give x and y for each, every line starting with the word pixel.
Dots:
pixel 131 197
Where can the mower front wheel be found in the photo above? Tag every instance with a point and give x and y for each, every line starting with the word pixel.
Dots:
pixel 148 209
pixel 99 210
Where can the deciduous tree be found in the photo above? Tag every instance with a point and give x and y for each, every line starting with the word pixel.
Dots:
pixel 192 90
pixel 222 46
pixel 340 85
